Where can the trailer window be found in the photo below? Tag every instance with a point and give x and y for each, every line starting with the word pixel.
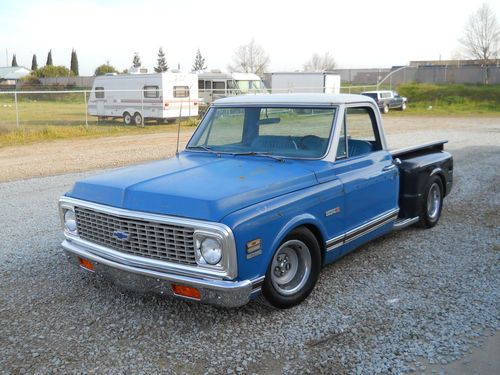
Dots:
pixel 201 84
pixel 151 92
pixel 181 91
pixel 99 92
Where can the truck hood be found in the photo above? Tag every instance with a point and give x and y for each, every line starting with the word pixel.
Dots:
pixel 195 185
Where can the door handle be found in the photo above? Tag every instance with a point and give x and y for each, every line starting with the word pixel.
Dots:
pixel 389 167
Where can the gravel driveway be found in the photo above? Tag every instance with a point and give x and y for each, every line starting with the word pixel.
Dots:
pixel 411 298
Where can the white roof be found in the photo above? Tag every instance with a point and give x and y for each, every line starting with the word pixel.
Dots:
pixel 13 72
pixel 375 91
pixel 323 99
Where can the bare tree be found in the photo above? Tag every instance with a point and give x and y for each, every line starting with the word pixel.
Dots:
pixel 319 63
pixel 250 58
pixel 481 39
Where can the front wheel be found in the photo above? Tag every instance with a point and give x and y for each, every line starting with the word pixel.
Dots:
pixel 432 204
pixel 385 109
pixel 127 119
pixel 293 271
pixel 403 106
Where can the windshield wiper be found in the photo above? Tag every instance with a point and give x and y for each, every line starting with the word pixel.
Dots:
pixel 255 153
pixel 205 148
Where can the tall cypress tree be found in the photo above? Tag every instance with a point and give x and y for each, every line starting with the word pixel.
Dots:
pixel 136 62
pixel 162 62
pixel 74 63
pixel 14 60
pixel 49 59
pixel 199 62
pixel 34 63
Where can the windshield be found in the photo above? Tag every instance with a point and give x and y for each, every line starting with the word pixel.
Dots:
pixel 253 86
pixel 289 132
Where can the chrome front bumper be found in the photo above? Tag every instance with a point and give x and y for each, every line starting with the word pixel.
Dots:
pixel 213 291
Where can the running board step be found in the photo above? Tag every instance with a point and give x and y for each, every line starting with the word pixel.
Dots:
pixel 405 222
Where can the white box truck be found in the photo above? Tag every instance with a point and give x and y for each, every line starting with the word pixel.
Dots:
pixel 305 82
pixel 140 97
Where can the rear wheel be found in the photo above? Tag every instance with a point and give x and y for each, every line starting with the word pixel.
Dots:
pixel 432 204
pixel 137 118
pixel 127 119
pixel 293 271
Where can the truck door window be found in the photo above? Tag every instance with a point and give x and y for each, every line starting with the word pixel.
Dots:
pixel 99 92
pixel 151 92
pixel 361 131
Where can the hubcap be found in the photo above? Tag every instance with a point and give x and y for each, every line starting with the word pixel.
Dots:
pixel 433 201
pixel 291 267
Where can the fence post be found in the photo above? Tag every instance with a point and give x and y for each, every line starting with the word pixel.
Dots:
pixel 86 114
pixel 17 109
pixel 142 107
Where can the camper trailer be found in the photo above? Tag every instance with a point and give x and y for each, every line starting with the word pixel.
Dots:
pixel 216 85
pixel 140 97
pixel 304 82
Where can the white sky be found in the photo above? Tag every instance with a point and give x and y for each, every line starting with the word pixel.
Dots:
pixel 358 33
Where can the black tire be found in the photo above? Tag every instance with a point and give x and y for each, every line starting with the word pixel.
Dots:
pixel 127 118
pixel 137 118
pixel 308 259
pixel 385 108
pixel 432 203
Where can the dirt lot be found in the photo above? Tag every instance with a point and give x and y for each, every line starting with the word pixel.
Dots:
pixel 57 157
pixel 421 301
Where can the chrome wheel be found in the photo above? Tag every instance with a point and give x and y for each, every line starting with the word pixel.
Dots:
pixel 434 201
pixel 403 106
pixel 386 108
pixel 138 119
pixel 127 119
pixel 291 267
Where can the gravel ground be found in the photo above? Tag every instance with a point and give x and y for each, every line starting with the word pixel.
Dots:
pixel 407 300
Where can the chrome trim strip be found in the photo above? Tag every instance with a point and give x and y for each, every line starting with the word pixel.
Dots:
pixel 362 230
pixel 229 261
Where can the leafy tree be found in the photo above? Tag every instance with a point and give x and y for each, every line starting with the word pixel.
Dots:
pixel 34 63
pixel 481 38
pixel 162 62
pixel 105 68
pixel 14 60
pixel 49 71
pixel 199 62
pixel 136 62
pixel 49 59
pixel 319 63
pixel 74 63
pixel 250 58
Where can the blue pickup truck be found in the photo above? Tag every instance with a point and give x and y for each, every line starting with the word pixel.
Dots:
pixel 269 189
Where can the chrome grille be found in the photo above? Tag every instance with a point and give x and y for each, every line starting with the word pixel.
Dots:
pixel 166 242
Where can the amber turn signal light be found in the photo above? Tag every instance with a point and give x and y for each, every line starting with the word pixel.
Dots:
pixel 87 264
pixel 186 291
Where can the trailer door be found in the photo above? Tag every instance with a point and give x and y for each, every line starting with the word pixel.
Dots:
pixel 100 99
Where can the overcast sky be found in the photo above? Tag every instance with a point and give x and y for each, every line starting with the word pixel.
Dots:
pixel 368 34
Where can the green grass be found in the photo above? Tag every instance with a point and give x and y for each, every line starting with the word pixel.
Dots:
pixel 451 99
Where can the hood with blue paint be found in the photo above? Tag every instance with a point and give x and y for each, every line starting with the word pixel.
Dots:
pixel 196 185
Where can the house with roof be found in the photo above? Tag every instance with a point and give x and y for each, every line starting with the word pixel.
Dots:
pixel 10 75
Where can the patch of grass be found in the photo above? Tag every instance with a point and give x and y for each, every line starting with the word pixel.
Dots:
pixel 33 134
pixel 446 99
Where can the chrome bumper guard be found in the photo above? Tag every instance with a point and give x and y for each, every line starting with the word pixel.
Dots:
pixel 213 291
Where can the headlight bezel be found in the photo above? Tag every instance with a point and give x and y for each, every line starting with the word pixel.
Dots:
pixel 63 210
pixel 201 236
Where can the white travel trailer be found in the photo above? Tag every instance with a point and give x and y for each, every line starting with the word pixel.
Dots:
pixel 305 82
pixel 216 85
pixel 140 97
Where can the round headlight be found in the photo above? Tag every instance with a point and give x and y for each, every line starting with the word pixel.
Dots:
pixel 211 250
pixel 70 221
